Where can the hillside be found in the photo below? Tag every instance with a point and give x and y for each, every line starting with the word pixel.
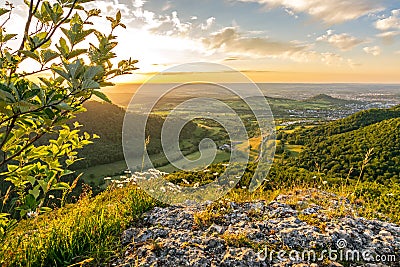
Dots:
pixel 348 124
pixel 327 99
pixel 337 154
pixel 106 120
pixel 339 148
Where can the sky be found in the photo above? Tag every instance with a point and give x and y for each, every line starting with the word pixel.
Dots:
pixel 268 40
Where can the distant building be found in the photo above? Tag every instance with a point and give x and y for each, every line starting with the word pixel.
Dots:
pixel 225 147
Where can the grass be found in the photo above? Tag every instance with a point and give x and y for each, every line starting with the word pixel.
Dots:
pixel 87 231
pixel 254 144
pixel 211 214
pixel 94 175
pixel 294 149
pixel 220 157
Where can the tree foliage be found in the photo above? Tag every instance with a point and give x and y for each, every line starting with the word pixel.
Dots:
pixel 339 148
pixel 69 71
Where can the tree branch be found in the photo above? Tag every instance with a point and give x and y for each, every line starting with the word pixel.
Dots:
pixel 52 32
pixel 30 142
pixel 27 26
pixel 7 134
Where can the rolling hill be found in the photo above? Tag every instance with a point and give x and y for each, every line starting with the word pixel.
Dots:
pixel 106 120
pixel 348 124
pixel 339 148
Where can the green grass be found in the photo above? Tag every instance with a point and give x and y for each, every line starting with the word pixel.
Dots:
pixel 87 231
pixel 294 149
pixel 96 173
pixel 220 157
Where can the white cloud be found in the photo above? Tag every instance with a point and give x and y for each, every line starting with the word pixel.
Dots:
pixel 207 25
pixel 342 41
pixel 291 13
pixel 110 8
pixel 390 34
pixel 329 11
pixel 138 3
pixel 390 23
pixel 230 41
pixel 167 6
pixel 389 37
pixel 373 50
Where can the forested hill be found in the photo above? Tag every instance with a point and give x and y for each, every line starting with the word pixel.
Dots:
pixel 106 120
pixel 351 123
pixel 339 148
pixel 324 98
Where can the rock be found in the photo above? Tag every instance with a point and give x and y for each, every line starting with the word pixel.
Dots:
pixel 170 237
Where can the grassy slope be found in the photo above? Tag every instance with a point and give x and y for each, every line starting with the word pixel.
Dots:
pixel 89 231
pixel 86 231
pixel 337 154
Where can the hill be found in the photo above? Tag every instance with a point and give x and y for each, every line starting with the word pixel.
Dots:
pixel 106 120
pixel 327 99
pixel 339 148
pixel 348 124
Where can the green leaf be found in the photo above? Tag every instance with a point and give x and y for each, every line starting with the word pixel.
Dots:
pixel 63 47
pixel 48 55
pixel 39 38
pixel 30 201
pixel 35 192
pixel 45 209
pixel 8 37
pixel 91 72
pixel 64 106
pixel 4 11
pixel 60 71
pixel 4 96
pixel 76 53
pixel 50 114
pixel 31 55
pixel 102 96
pixel 90 84
pixel 60 186
pixel 67 172
pixel 75 69
pixel 31 179
pixel 57 13
pixel 118 16
pixel 43 184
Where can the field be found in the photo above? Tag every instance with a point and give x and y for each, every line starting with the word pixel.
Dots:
pixel 95 175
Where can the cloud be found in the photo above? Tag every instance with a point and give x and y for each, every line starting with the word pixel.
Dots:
pixel 329 11
pixel 374 50
pixel 342 41
pixel 207 25
pixel 389 37
pixel 390 23
pixel 230 41
pixel 138 3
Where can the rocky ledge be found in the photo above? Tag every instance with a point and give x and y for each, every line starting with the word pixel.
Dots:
pixel 304 228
